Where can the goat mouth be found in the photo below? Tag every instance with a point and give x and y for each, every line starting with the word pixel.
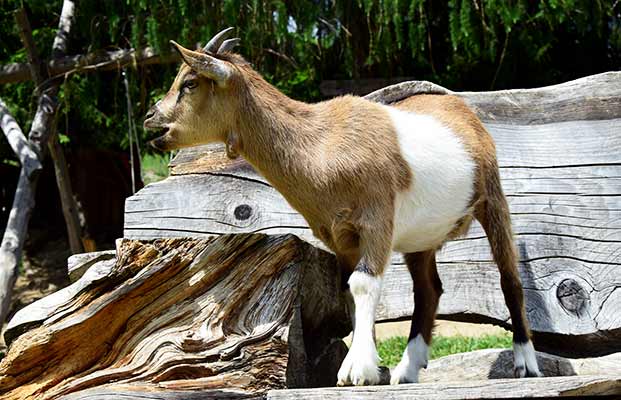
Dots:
pixel 160 138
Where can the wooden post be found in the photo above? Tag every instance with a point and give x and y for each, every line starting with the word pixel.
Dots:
pixel 23 202
pixel 69 207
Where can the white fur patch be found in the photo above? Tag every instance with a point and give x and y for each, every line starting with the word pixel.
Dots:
pixel 415 357
pixel 525 360
pixel 360 364
pixel 443 184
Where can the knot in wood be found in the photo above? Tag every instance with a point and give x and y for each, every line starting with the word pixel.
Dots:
pixel 243 212
pixel 572 296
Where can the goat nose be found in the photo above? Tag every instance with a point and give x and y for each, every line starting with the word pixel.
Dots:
pixel 152 110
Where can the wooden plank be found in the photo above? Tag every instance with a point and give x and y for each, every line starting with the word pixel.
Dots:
pixel 496 389
pixel 593 97
pixel 562 178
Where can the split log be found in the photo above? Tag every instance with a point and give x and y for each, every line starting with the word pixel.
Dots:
pixel 23 201
pixel 559 151
pixel 236 314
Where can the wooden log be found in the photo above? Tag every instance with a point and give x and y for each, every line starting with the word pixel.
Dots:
pixel 91 62
pixel 23 201
pixel 575 386
pixel 18 142
pixel 236 313
pixel 560 169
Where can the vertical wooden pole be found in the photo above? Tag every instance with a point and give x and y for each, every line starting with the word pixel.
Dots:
pixel 69 206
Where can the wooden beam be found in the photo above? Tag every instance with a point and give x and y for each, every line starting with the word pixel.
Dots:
pixel 91 62
pixel 489 389
pixel 18 142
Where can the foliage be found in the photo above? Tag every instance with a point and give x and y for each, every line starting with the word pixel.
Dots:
pixel 461 44
pixel 390 350
pixel 154 167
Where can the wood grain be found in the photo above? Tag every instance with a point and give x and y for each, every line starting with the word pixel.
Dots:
pixel 496 389
pixel 230 313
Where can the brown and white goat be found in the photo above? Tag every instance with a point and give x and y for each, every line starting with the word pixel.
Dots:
pixel 368 178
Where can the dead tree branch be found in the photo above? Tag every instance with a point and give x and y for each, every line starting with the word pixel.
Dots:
pixel 23 202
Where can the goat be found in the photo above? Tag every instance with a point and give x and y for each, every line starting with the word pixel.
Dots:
pixel 368 178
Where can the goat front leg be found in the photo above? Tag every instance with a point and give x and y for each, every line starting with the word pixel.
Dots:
pixel 360 366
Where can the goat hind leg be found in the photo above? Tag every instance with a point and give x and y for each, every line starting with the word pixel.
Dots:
pixel 494 216
pixel 427 291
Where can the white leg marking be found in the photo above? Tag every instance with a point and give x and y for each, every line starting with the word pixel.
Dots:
pixel 360 364
pixel 524 360
pixel 414 358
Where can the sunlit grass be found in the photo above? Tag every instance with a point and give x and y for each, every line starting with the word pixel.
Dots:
pixel 154 167
pixel 390 350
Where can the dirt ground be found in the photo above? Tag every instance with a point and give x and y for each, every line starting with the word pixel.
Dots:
pixel 43 271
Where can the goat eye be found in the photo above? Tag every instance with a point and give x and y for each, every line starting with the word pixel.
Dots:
pixel 189 85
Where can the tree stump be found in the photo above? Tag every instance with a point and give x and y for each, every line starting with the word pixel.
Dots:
pixel 231 316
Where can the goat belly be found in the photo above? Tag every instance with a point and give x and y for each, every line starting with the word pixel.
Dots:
pixel 443 182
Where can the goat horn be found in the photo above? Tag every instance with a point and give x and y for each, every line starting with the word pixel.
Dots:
pixel 218 70
pixel 215 42
pixel 228 45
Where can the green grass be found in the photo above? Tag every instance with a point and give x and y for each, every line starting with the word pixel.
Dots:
pixel 390 350
pixel 154 167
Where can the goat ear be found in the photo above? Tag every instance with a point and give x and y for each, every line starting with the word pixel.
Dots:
pixel 213 68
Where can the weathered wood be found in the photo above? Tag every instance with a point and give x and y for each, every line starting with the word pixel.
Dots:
pixel 242 313
pixel 91 62
pixel 560 169
pixel 23 201
pixel 498 364
pixel 78 264
pixel 67 199
pixel 577 386
pixel 18 142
